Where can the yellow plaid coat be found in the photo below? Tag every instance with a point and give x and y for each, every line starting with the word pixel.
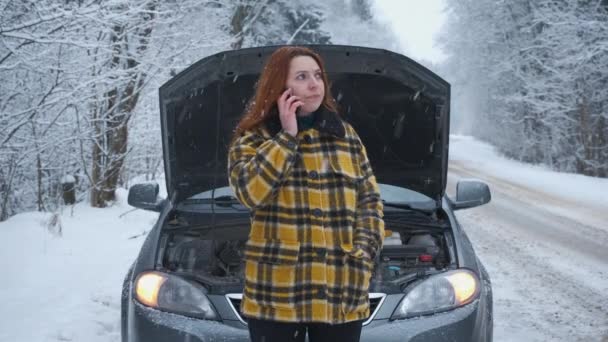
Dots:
pixel 315 207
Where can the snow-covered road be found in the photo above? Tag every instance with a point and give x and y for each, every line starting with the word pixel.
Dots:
pixel 547 256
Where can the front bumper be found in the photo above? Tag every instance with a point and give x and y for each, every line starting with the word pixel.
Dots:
pixel 150 325
pixel 458 325
pixel 468 323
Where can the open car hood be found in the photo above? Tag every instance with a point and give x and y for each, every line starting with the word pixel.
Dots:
pixel 399 108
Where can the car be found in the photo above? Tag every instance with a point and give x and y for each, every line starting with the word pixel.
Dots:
pixel 427 285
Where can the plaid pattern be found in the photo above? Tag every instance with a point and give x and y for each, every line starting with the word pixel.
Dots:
pixel 315 208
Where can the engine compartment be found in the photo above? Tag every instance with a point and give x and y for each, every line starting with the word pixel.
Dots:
pixel 409 252
pixel 416 254
pixel 218 264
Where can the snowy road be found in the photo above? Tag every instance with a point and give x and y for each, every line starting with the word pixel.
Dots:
pixel 547 256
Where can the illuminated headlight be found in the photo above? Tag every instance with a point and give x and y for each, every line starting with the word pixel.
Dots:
pixel 175 294
pixel 438 293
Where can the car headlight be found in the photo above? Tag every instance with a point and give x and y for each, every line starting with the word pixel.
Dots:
pixel 438 293
pixel 175 294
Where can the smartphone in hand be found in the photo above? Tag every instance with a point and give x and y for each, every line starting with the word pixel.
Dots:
pixel 299 109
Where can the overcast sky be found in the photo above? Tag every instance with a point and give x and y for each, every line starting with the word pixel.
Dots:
pixel 416 22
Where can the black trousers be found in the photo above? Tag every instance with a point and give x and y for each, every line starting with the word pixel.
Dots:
pixel 271 331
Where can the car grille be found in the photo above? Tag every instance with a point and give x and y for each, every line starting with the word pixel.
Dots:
pixel 375 301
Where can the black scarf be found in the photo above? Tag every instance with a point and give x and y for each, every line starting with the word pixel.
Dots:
pixel 323 120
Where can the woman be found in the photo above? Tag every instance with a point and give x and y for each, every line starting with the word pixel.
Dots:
pixel 316 209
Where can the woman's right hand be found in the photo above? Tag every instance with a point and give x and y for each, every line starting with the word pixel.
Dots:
pixel 288 105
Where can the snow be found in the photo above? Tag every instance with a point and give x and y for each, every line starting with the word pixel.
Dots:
pixel 554 191
pixel 543 239
pixel 68 287
pixel 68 179
pixel 64 281
pixel 483 156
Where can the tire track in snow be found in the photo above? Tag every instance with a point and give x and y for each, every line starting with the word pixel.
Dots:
pixel 563 229
pixel 530 294
pixel 595 215
pixel 549 273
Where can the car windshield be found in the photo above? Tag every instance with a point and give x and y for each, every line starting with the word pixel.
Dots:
pixel 389 193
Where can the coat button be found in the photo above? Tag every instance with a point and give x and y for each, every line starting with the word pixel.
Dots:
pixel 321 253
pixel 321 294
pixel 317 212
pixel 313 174
pixel 307 139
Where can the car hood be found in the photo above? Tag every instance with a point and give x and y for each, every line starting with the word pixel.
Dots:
pixel 399 108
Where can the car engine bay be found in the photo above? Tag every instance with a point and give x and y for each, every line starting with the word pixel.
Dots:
pixel 410 252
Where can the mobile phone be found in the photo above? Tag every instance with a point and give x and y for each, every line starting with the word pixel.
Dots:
pixel 298 110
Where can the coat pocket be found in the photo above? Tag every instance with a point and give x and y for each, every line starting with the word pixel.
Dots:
pixel 347 169
pixel 346 180
pixel 357 276
pixel 270 272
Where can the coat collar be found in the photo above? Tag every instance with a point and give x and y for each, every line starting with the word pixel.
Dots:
pixel 326 121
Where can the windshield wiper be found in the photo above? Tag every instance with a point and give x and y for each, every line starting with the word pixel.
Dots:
pixel 407 206
pixel 222 201
pixel 423 217
pixel 227 201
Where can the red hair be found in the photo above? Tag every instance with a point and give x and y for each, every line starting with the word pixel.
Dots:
pixel 271 85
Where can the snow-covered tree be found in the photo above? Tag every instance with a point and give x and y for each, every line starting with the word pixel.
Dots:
pixel 274 22
pixel 80 79
pixel 531 75
pixel 74 73
pixel 348 24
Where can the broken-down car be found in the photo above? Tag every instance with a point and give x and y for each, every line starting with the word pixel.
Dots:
pixel 428 284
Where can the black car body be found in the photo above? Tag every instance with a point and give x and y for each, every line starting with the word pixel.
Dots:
pixel 428 284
